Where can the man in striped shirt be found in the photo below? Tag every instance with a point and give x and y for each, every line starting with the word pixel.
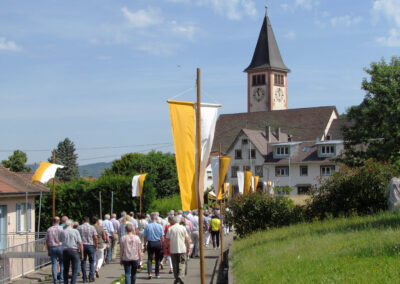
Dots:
pixel 54 248
pixel 89 240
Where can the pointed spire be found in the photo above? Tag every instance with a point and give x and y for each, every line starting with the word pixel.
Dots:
pixel 267 54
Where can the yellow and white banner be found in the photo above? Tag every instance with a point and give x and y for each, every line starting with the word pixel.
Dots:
pixel 45 172
pixel 137 184
pixel 228 188
pixel 247 181
pixel 183 123
pixel 219 168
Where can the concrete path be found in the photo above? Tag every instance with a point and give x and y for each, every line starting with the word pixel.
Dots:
pixel 114 270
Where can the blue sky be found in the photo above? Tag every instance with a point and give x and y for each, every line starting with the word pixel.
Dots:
pixel 100 71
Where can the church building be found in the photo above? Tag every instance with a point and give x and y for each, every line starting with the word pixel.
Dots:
pixel 290 147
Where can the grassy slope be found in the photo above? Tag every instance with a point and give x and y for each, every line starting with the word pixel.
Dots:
pixel 354 250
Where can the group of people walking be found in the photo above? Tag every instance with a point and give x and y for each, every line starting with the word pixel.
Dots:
pixel 173 239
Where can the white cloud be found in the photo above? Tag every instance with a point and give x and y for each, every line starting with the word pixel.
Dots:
pixel 290 35
pixel 346 20
pixel 393 40
pixel 285 6
pixel 142 18
pixel 306 4
pixel 8 45
pixel 187 30
pixel 232 9
pixel 390 9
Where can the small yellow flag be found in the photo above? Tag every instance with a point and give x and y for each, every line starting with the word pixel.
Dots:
pixel 247 181
pixel 256 178
pixel 223 168
pixel 141 182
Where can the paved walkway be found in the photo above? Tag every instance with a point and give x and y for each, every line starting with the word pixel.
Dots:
pixel 114 270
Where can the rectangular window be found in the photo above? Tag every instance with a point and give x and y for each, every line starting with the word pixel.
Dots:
pixel 327 170
pixel 328 149
pixel 259 171
pixel 303 170
pixel 282 150
pixel 24 213
pixel 281 171
pixel 234 170
pixel 252 153
pixel 245 141
pixel 279 80
pixel 238 154
pixel 304 189
pixel 258 79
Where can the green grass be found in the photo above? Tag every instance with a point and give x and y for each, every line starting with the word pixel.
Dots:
pixel 164 205
pixel 353 250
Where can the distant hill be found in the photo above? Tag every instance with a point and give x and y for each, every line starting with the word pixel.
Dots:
pixel 90 170
pixel 93 170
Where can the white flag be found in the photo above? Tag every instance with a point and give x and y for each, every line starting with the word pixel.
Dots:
pixel 240 177
pixel 135 186
pixel 215 173
pixel 209 115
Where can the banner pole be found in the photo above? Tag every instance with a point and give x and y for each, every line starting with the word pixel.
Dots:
pixel 54 186
pixel 140 197
pixel 199 205
pixel 220 210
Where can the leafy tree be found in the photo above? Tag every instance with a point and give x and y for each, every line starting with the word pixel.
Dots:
pixel 375 131
pixel 65 155
pixel 160 167
pixel 16 162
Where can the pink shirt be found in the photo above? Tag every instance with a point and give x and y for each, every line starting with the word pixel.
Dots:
pixel 130 247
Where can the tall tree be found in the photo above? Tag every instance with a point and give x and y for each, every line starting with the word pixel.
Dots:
pixel 160 166
pixel 65 155
pixel 375 131
pixel 16 162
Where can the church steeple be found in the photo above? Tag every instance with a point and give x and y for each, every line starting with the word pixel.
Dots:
pixel 267 73
pixel 267 54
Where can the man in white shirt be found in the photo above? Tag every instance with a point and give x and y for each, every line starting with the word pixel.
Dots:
pixel 179 248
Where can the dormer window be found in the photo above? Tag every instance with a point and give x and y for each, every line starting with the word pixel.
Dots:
pixel 259 80
pixel 282 150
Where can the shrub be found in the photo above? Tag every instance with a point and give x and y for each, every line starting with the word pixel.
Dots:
pixel 359 190
pixel 164 205
pixel 256 211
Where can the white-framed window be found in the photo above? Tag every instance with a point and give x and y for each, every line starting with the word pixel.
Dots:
pixel 234 170
pixel 24 217
pixel 281 171
pixel 328 149
pixel 252 154
pixel 327 170
pixel 282 150
pixel 303 171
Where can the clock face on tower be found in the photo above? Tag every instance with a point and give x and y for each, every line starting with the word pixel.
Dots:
pixel 258 94
pixel 279 96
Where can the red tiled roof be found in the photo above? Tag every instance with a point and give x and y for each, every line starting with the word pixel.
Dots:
pixel 17 183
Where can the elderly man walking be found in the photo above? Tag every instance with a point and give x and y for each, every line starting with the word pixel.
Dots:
pixel 153 239
pixel 110 232
pixel 117 226
pixel 54 248
pixel 89 241
pixel 179 248
pixel 72 250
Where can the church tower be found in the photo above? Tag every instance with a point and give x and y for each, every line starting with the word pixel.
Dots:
pixel 266 74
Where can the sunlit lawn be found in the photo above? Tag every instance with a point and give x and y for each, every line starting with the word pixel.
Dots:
pixel 354 250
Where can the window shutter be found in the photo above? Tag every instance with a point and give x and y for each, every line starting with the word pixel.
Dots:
pixel 29 217
pixel 18 217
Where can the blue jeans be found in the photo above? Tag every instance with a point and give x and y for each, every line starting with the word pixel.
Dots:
pixel 56 255
pixel 88 250
pixel 71 257
pixel 109 250
pixel 154 248
pixel 130 268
